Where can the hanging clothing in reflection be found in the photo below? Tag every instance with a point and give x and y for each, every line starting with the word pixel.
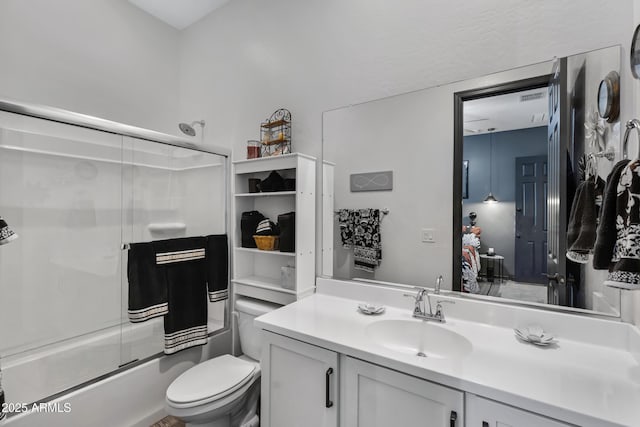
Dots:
pixel 471 258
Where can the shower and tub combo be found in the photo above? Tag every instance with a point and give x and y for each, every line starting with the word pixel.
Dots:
pixel 77 190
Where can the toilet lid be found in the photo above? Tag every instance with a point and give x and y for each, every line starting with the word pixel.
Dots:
pixel 215 377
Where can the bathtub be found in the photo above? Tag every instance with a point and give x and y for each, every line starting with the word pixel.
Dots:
pixel 134 397
pixel 45 372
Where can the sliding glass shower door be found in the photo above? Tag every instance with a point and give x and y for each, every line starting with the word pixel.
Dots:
pixel 74 196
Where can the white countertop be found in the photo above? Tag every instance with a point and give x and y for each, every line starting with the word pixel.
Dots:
pixel 574 381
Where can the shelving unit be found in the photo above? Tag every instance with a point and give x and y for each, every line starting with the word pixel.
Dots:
pixel 257 273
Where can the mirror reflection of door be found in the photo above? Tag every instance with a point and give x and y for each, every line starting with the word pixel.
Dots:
pixel 557 209
pixel 536 267
pixel 505 144
pixel 530 256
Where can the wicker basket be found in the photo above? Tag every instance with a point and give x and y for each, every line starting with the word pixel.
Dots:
pixel 267 243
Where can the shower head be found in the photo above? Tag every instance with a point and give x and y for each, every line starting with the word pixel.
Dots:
pixel 188 129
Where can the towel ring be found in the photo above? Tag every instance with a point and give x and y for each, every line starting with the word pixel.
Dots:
pixel 634 123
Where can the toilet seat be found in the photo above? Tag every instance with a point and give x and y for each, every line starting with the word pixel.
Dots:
pixel 210 381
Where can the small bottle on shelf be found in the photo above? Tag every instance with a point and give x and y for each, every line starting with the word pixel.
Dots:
pixel 253 149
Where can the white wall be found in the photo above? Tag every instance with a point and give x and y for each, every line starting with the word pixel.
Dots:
pixel 250 57
pixel 104 58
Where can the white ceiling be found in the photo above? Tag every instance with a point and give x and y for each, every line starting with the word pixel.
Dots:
pixel 505 112
pixel 179 13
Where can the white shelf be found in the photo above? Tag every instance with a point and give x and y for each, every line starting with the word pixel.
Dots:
pixel 258 251
pixel 258 276
pixel 272 193
pixel 272 159
pixel 264 283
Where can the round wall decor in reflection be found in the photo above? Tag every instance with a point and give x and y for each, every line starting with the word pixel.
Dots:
pixel 609 97
pixel 635 53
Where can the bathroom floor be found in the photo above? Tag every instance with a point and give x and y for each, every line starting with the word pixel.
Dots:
pixel 168 422
pixel 529 292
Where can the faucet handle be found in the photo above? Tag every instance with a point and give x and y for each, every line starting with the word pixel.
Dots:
pixel 418 309
pixel 439 312
pixel 418 295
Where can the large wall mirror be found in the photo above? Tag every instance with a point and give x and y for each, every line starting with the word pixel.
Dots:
pixel 474 181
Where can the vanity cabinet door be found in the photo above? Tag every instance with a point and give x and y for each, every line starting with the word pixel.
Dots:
pixel 299 384
pixel 482 412
pixel 373 396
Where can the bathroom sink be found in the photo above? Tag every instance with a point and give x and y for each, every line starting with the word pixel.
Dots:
pixel 420 338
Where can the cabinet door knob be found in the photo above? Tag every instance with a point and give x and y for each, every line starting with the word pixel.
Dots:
pixel 453 418
pixel 328 402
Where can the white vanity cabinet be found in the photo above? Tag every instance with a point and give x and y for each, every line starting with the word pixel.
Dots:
pixel 495 381
pixel 306 385
pixel 299 384
pixel 373 396
pixel 483 412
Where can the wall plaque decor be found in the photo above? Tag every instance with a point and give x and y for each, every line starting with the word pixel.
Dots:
pixel 372 181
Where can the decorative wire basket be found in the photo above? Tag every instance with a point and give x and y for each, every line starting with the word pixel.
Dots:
pixel 267 243
pixel 275 134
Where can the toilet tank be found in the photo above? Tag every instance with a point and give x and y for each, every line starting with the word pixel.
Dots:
pixel 250 336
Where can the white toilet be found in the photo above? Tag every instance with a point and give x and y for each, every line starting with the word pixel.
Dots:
pixel 224 391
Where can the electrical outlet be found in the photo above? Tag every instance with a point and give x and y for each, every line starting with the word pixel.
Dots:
pixel 428 235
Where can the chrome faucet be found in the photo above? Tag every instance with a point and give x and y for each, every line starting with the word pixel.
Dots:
pixel 419 310
pixel 438 284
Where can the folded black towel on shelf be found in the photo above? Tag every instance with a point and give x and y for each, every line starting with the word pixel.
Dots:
pixel 274 182
pixel 248 223
pixel 217 257
pixel 287 224
pixel 581 231
pixel 147 284
pixel 182 261
pixel 266 227
pixel 606 235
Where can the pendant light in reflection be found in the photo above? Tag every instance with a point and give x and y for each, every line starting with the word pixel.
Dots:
pixel 490 198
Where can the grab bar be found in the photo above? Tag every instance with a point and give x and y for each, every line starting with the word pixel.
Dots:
pixel 634 123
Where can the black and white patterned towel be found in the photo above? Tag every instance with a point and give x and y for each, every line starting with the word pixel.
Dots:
pixel 345 222
pixel 625 273
pixel 360 230
pixel 606 231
